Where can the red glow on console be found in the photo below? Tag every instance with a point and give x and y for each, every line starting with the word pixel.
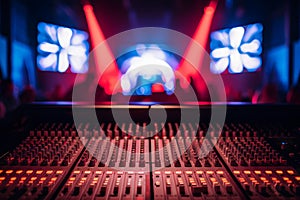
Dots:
pixel 192 53
pixel 158 88
pixel 103 56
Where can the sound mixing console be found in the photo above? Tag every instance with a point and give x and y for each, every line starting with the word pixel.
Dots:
pixel 180 160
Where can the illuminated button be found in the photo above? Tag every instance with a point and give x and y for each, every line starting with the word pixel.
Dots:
pixel 268 172
pixel 263 178
pixel 199 172
pixel 157 183
pixel 189 172
pixel 247 172
pixel 157 173
pixel 285 178
pixel 29 171
pixel 220 172
pixel 109 172
pixel 2 178
pixel 53 179
pixel 257 172
pixel 1 171
pixel 72 179
pixel 39 171
pixel 279 171
pixel 297 178
pixel 59 172
pixel 213 179
pixel 178 172
pixel 33 178
pixel 19 171
pixel 49 172
pixel 291 172
pixel 9 171
pixel 23 178
pixel 87 172
pixel 236 172
pixel 210 172
pixel 76 172
pixel 13 178
pixel 98 172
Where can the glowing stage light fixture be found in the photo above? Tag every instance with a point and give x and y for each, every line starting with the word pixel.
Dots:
pixel 61 47
pixel 236 49
pixel 200 36
pixel 150 70
pixel 109 76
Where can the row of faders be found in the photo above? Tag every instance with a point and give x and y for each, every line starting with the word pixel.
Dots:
pixel 261 171
pixel 186 168
pixel 36 167
pixel 110 168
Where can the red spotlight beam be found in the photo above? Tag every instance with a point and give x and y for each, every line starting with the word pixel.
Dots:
pixel 201 38
pixel 110 75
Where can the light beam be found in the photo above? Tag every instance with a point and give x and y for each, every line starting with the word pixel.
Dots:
pixel 109 76
pixel 192 53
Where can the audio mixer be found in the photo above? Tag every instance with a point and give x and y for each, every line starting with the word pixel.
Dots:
pixel 245 158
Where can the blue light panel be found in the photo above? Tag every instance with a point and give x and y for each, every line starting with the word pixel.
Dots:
pixel 60 48
pixel 236 49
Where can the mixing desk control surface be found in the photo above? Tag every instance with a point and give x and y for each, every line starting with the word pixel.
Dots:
pixel 170 160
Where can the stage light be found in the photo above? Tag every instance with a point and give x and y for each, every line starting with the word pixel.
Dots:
pixel 236 48
pixel 192 53
pixel 61 47
pixel 145 71
pixel 148 69
pixel 110 75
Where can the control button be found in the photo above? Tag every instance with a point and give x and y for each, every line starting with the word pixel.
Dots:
pixel 157 183
pixel 76 191
pixel 139 189
pixel 115 191
pixel 181 190
pixel 217 188
pixel 102 191
pixel 196 191
pixel 127 190
pixel 229 189
pixel 204 189
pixel 168 189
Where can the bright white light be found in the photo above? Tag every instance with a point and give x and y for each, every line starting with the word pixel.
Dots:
pixel 251 63
pixel 47 61
pixel 69 47
pixel 64 36
pixel 236 65
pixel 47 47
pixel 243 49
pixel 125 84
pixel 63 63
pixel 78 39
pixel 140 49
pixel 219 66
pixel 251 47
pixel 220 53
pixel 236 35
pixel 78 64
pixel 157 52
pixel 76 50
pixel 147 67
